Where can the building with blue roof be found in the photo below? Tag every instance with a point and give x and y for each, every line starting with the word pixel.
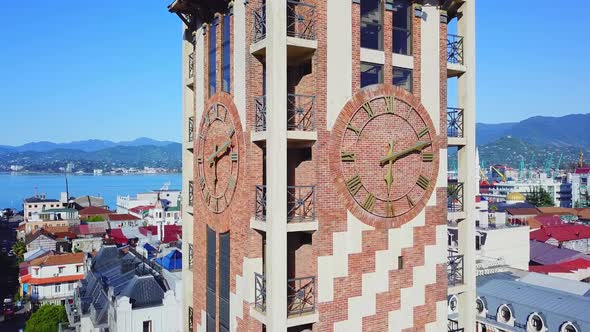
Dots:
pixel 522 301
pixel 172 261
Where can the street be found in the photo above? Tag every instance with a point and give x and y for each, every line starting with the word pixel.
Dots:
pixel 9 274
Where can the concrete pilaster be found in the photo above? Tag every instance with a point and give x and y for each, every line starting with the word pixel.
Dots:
pixel 276 165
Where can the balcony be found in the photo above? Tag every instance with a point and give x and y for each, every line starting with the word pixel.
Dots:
pixel 301 213
pixel 301 30
pixel 455 123
pixel 455 198
pixel 455 269
pixel 301 298
pixel 300 119
pixel 191 131
pixel 191 193
pixel 455 60
pixel 453 326
pixel 190 82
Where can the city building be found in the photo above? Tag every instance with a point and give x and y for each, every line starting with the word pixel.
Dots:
pixel 122 291
pixel 570 236
pixel 521 301
pixel 60 217
pixel 53 278
pixel 94 211
pixel 36 204
pixel 561 192
pixel 117 220
pixel 126 203
pixel 315 164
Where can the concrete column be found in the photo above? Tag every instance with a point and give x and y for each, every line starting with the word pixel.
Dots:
pixel 276 165
pixel 467 165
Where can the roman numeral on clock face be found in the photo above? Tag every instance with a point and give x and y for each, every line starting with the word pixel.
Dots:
pixel 354 184
pixel 390 104
pixel 207 197
pixel 234 156
pixel 369 202
pixel 202 182
pixel 427 157
pixel 347 156
pixel 423 132
pixel 423 182
pixel 389 209
pixel 410 201
pixel 367 107
pixel 231 131
pixel 200 159
pixel 231 183
pixel 350 126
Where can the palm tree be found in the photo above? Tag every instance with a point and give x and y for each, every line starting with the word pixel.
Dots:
pixel 19 249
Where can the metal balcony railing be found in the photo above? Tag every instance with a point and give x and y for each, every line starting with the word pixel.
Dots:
pixel 453 326
pixel 259 292
pixel 191 128
pixel 191 65
pixel 300 112
pixel 259 24
pixel 455 49
pixel 454 122
pixel 191 193
pixel 301 22
pixel 455 269
pixel 300 203
pixel 301 294
pixel 455 197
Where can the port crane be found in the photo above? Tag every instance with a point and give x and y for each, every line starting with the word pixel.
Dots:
pixel 499 173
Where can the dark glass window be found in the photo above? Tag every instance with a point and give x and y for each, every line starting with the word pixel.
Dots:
pixel 226 53
pixel 372 24
pixel 224 281
pixel 402 27
pixel 213 57
pixel 371 73
pixel 147 326
pixel 402 77
pixel 211 267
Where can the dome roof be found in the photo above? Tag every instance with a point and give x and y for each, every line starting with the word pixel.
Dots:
pixel 515 197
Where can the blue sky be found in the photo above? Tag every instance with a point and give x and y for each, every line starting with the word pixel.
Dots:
pixel 110 69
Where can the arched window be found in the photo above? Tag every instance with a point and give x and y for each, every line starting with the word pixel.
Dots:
pixel 480 306
pixel 535 323
pixel 568 327
pixel 504 314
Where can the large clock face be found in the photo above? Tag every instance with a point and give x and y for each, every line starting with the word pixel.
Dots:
pixel 387 154
pixel 218 157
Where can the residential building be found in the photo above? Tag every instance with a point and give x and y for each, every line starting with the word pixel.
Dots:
pixel 315 164
pixel 41 239
pixel 571 236
pixel 94 211
pixel 39 202
pixel 579 181
pixel 123 291
pixel 53 278
pixel 522 301
pixel 87 245
pixel 560 192
pixel 126 203
pixel 52 218
pixel 118 220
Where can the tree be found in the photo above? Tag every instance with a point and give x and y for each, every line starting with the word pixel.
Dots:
pixel 46 319
pixel 19 249
pixel 539 197
pixel 95 218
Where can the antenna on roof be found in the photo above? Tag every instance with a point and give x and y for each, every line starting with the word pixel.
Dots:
pixel 67 188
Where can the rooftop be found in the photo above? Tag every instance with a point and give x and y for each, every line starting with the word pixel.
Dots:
pixel 94 211
pixel 544 253
pixel 122 217
pixel 561 233
pixel 75 258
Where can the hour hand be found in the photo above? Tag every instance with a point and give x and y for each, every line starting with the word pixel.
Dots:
pixel 419 146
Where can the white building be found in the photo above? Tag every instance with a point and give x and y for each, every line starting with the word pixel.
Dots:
pixel 124 292
pixel 53 279
pixel 39 202
pixel 126 203
pixel 500 190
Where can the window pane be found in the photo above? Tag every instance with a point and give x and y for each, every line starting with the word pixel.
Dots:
pixel 211 282
pixel 212 57
pixel 371 73
pixel 402 27
pixel 402 77
pixel 224 281
pixel 371 24
pixel 226 53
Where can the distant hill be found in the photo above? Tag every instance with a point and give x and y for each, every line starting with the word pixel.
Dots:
pixel 88 155
pixel 86 145
pixel 569 130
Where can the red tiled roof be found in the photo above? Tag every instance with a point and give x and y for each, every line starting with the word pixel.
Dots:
pixel 63 235
pixel 554 268
pixel 523 211
pixel 145 229
pixel 171 233
pixel 94 211
pixel 583 170
pixel 140 209
pixel 566 232
pixel 76 258
pixel 577 264
pixel 117 235
pixel 28 279
pixel 122 217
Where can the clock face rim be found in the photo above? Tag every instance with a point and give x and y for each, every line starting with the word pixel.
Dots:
pixel 226 101
pixel 338 133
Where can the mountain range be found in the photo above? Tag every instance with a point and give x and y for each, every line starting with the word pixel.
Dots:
pixel 90 145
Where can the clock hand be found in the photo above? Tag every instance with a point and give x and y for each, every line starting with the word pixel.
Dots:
pixel 389 174
pixel 223 148
pixel 419 146
pixel 212 156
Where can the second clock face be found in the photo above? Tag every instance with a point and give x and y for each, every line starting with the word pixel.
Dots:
pixel 387 153
pixel 217 157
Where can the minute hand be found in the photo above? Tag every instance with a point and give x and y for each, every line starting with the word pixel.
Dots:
pixel 394 156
